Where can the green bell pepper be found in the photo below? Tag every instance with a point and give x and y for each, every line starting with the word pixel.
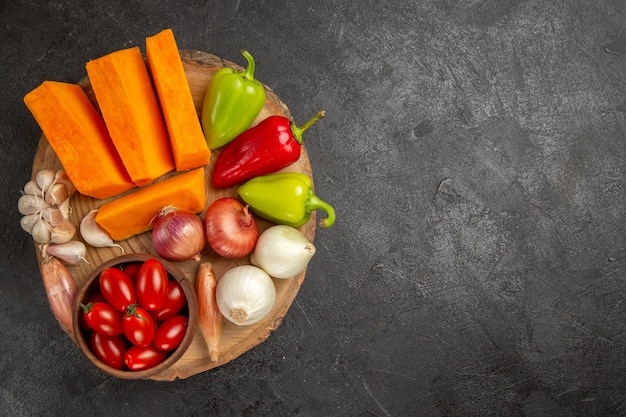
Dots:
pixel 285 198
pixel 232 101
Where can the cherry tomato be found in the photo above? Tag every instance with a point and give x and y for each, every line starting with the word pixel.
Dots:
pixel 82 321
pixel 175 300
pixel 109 349
pixel 170 333
pixel 103 318
pixel 151 285
pixel 132 270
pixel 138 358
pixel 118 289
pixel 138 326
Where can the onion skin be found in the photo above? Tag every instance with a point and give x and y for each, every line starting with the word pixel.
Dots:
pixel 61 289
pixel 231 229
pixel 178 235
pixel 209 316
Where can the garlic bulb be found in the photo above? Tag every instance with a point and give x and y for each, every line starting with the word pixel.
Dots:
pixel 45 207
pixel 245 295
pixel 282 251
pixel 94 234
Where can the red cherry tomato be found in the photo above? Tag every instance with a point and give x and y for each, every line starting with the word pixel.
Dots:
pixel 93 298
pixel 109 349
pixel 138 358
pixel 151 285
pixel 132 270
pixel 118 289
pixel 170 333
pixel 138 326
pixel 175 300
pixel 103 318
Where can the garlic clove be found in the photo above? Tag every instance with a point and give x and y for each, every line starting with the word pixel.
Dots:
pixel 28 222
pixel 31 188
pixel 52 215
pixel 65 208
pixel 56 194
pixel 72 252
pixel 61 177
pixel 31 204
pixel 94 234
pixel 41 231
pixel 44 179
pixel 62 232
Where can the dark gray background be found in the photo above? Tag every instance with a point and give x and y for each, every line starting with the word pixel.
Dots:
pixel 474 152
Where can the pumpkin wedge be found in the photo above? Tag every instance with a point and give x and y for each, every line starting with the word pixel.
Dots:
pixel 130 108
pixel 132 213
pixel 189 146
pixel 79 138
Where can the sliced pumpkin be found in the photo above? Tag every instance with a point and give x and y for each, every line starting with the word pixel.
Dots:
pixel 189 146
pixel 130 109
pixel 79 138
pixel 132 213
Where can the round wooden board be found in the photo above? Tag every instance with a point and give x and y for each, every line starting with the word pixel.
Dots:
pixel 236 340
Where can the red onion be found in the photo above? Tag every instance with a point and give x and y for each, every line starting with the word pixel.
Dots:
pixel 178 235
pixel 231 230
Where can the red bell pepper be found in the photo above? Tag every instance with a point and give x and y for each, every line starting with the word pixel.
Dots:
pixel 269 146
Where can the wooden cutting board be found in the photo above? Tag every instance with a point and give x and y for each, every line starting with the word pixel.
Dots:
pixel 199 67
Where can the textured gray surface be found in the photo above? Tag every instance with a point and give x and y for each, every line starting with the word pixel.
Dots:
pixel 474 152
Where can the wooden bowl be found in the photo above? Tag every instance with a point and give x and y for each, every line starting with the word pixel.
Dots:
pixel 91 285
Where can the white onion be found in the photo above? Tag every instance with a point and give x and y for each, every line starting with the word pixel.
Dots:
pixel 282 251
pixel 245 295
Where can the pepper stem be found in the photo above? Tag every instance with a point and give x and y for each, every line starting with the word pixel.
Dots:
pixel 248 73
pixel 316 203
pixel 299 130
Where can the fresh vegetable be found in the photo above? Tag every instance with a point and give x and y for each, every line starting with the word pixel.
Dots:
pixel 138 358
pixel 60 289
pixel 109 349
pixel 178 235
pixel 187 141
pixel 151 285
pixel 71 253
pixel 103 318
pixel 175 300
pixel 185 191
pixel 170 333
pixel 117 288
pixel 93 298
pixel 282 251
pixel 285 198
pixel 132 270
pixel 209 316
pixel 231 230
pixel 232 101
pixel 130 108
pixel 44 205
pixel 79 138
pixel 94 234
pixel 139 328
pixel 269 146
pixel 245 295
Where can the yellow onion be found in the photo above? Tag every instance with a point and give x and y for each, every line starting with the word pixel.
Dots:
pixel 178 235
